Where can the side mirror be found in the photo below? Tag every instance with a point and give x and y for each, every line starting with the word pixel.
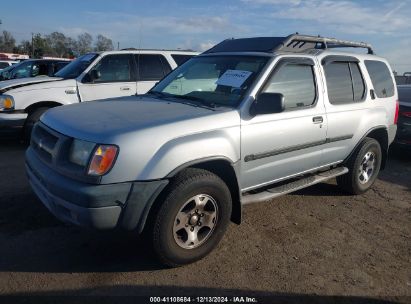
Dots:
pixel 94 75
pixel 268 103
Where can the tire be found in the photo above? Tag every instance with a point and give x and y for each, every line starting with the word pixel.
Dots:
pixel 192 219
pixel 32 118
pixel 364 166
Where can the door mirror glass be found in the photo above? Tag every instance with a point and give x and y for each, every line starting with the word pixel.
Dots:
pixel 268 103
pixel 94 75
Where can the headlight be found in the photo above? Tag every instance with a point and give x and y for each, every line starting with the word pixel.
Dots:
pixel 103 159
pixel 6 102
pixel 80 152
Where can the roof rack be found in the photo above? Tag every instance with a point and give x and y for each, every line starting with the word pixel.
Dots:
pixel 299 41
pixel 169 50
pixel 294 43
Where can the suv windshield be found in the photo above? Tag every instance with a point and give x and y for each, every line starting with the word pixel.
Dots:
pixel 76 67
pixel 213 80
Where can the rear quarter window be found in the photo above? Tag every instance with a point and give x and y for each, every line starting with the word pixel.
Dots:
pixel 381 78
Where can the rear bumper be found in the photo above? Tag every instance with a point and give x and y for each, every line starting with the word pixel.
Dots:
pixel 404 133
pixel 124 205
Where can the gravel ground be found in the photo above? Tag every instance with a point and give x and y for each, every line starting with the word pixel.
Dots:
pixel 316 245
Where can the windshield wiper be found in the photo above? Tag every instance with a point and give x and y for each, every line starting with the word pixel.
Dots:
pixel 199 100
pixel 158 94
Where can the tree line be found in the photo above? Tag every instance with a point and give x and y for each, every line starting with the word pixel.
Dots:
pixel 55 44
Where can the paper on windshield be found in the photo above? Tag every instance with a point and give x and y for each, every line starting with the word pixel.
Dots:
pixel 233 78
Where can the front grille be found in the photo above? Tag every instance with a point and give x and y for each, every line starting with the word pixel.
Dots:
pixel 53 149
pixel 45 142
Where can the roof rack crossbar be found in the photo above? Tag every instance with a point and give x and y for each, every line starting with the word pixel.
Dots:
pixel 321 42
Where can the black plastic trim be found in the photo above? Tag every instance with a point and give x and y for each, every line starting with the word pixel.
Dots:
pixel 252 157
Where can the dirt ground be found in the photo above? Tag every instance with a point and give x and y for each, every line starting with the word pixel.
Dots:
pixel 316 245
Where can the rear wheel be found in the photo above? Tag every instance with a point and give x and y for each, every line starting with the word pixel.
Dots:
pixel 364 166
pixel 192 219
pixel 32 118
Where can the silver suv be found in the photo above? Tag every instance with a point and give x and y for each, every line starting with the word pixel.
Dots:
pixel 246 121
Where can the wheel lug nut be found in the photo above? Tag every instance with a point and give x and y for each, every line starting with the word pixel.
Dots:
pixel 199 224
pixel 192 229
pixel 186 225
pixel 196 210
pixel 202 214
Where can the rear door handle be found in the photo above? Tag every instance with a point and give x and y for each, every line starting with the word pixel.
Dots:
pixel 125 89
pixel 318 119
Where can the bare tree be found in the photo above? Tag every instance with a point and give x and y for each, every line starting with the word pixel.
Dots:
pixel 84 43
pixel 103 44
pixel 7 42
pixel 56 42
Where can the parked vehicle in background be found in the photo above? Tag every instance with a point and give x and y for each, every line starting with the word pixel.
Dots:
pixel 404 116
pixel 6 63
pixel 34 68
pixel 244 122
pixel 403 79
pixel 89 77
pixel 12 56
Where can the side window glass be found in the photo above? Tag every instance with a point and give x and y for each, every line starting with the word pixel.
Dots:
pixel 339 83
pixel 296 82
pixel 150 67
pixel 358 82
pixel 114 68
pixel 381 78
pixel 22 71
pixel 166 65
pixel 40 69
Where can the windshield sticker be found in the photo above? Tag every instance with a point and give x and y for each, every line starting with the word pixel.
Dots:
pixel 233 78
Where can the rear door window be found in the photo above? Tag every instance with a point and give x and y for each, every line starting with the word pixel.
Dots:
pixel 381 78
pixel 152 67
pixel 345 83
pixel 3 65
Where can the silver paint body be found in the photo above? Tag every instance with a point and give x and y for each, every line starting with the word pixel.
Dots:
pixel 155 136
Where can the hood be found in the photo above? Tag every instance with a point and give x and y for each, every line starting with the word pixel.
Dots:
pixel 17 83
pixel 104 120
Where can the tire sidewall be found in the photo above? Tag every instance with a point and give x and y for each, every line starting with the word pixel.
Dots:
pixel 210 185
pixel 31 120
pixel 371 145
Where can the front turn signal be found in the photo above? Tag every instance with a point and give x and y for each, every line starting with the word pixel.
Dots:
pixel 103 159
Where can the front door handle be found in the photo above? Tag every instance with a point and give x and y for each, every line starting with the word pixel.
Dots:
pixel 318 119
pixel 125 89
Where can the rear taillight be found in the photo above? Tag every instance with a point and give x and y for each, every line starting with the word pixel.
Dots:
pixel 406 114
pixel 397 109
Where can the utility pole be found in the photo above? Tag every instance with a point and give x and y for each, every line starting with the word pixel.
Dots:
pixel 118 45
pixel 32 45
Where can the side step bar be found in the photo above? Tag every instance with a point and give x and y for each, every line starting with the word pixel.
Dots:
pixel 293 186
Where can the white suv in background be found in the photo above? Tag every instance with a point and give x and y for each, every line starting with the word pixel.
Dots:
pixel 90 77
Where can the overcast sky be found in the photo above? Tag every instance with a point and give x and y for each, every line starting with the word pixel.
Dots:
pixel 200 24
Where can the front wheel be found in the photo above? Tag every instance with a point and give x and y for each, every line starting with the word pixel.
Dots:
pixel 32 118
pixel 192 219
pixel 364 166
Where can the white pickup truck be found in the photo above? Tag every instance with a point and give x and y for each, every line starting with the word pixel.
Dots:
pixel 89 77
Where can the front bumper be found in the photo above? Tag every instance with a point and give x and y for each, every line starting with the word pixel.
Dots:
pixel 12 121
pixel 124 205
